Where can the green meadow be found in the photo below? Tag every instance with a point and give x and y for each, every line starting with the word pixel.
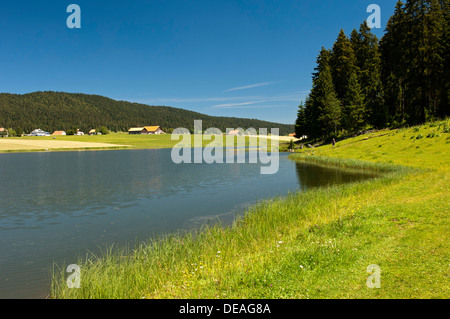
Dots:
pixel 313 244
pixel 116 141
pixel 130 141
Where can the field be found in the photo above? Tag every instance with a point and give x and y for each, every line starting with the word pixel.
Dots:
pixel 109 141
pixel 23 145
pixel 315 244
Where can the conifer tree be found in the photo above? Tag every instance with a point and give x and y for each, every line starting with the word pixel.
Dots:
pixel 343 64
pixel 301 123
pixel 354 106
pixel 368 62
pixel 444 108
pixel 434 57
pixel 394 65
pixel 401 79
pixel 413 54
pixel 324 97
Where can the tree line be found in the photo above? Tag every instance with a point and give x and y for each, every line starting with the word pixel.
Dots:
pixel 363 82
pixel 52 111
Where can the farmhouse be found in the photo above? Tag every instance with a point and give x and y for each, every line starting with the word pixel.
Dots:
pixel 59 133
pixel 153 130
pixel 39 132
pixel 137 130
pixel 234 132
pixel 92 132
pixel 146 130
pixel 3 132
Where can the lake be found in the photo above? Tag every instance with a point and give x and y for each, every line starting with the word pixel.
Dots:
pixel 57 206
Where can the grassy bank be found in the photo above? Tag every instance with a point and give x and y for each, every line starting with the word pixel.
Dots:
pixel 316 244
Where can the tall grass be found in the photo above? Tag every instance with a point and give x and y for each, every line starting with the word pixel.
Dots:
pixel 208 262
pixel 352 164
pixel 313 244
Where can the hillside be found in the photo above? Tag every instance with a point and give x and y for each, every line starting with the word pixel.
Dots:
pixel 62 111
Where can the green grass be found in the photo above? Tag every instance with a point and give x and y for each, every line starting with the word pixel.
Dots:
pixel 132 141
pixel 315 244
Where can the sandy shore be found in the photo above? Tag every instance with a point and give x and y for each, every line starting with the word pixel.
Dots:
pixel 7 144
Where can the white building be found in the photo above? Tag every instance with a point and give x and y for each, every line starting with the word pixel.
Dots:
pixel 3 132
pixel 39 132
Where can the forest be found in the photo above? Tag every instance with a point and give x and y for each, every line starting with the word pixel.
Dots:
pixel 52 111
pixel 363 82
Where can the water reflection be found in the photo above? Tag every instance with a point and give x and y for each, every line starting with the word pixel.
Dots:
pixel 310 175
pixel 40 185
pixel 56 206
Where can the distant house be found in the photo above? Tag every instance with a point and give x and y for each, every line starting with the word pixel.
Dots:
pixel 137 130
pixel 146 130
pixel 92 132
pixel 153 130
pixel 59 133
pixel 234 132
pixel 79 133
pixel 39 132
pixel 3 132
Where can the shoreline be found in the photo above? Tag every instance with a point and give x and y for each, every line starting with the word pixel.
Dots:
pixel 201 247
pixel 87 143
pixel 25 145
pixel 313 244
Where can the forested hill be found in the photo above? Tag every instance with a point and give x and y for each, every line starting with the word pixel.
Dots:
pixel 52 111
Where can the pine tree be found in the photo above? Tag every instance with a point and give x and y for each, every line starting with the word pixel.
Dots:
pixel 401 79
pixel 320 115
pixel 301 123
pixel 444 108
pixel 414 11
pixel 354 106
pixel 394 65
pixel 368 62
pixel 424 59
pixel 330 115
pixel 434 57
pixel 343 64
pixel 325 99
pixel 310 113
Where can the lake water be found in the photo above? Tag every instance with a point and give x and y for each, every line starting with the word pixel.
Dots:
pixel 57 206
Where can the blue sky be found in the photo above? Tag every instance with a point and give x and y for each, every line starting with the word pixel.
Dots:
pixel 249 59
